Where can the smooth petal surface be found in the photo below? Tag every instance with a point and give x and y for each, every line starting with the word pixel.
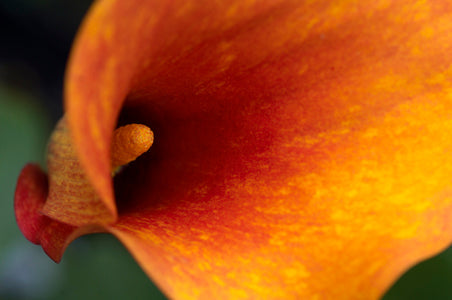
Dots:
pixel 301 148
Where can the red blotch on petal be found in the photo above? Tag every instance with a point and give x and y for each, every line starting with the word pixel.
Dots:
pixel 31 194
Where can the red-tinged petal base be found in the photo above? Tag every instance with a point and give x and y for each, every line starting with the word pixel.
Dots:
pixel 30 196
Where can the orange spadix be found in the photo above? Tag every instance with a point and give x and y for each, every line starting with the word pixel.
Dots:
pixel 71 196
pixel 129 142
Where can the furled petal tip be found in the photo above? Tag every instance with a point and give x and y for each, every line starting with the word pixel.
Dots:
pixel 303 146
pixel 30 196
pixel 53 213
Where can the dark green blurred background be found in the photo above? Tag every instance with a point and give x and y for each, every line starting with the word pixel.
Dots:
pixel 36 36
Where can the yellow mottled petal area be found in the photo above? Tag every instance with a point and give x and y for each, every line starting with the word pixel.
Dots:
pixel 358 219
pixel 71 198
pixel 303 146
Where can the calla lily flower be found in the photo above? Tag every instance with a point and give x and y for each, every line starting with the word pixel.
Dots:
pixel 301 149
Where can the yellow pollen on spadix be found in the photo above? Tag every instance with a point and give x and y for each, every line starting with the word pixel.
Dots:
pixel 129 142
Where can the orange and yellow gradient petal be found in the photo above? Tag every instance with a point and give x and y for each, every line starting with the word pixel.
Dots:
pixel 301 148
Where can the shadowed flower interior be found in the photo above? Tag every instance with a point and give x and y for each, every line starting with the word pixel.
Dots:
pixel 302 147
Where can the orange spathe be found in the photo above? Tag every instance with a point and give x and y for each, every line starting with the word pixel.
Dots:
pixel 303 146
